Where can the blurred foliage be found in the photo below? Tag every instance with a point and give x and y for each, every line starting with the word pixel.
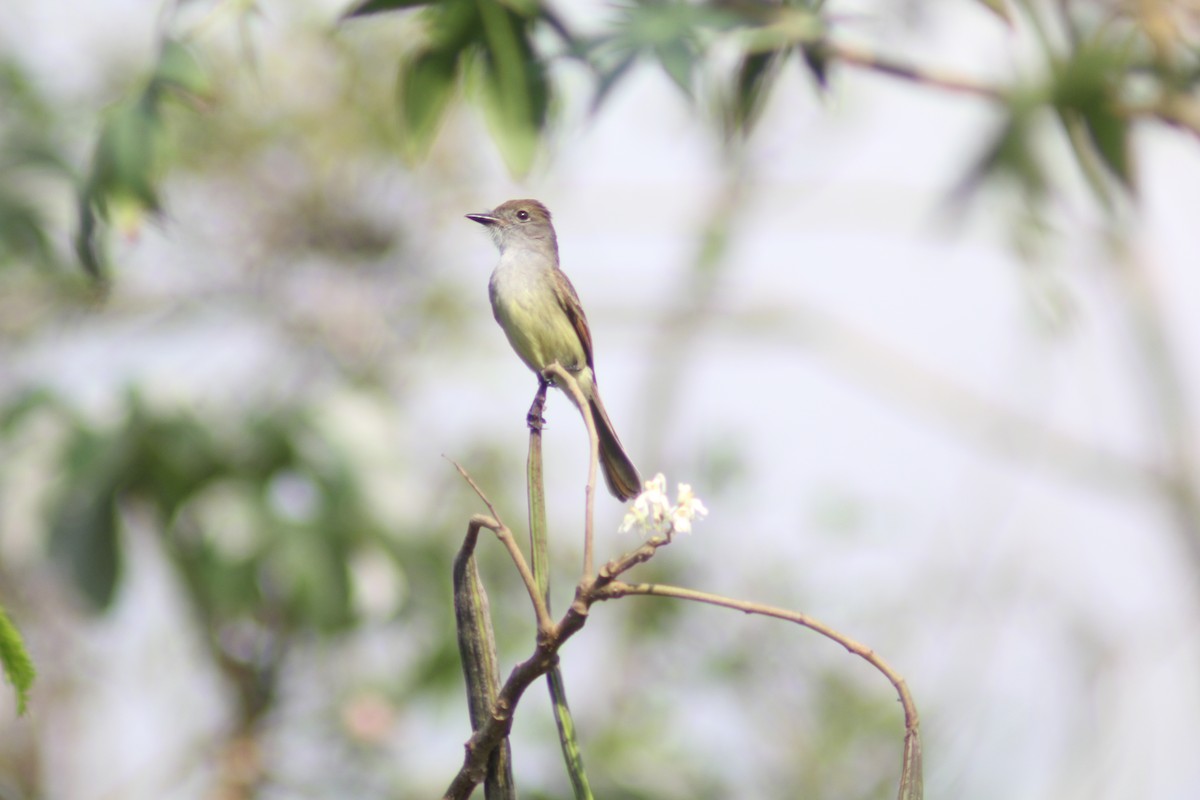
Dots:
pixel 128 163
pixel 1097 84
pixel 30 150
pixel 261 520
pixel 173 464
pixel 14 658
pixel 1103 68
pixel 497 38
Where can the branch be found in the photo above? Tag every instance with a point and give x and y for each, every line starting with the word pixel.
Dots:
pixel 539 551
pixel 926 76
pixel 911 779
pixel 1177 109
pixel 544 622
pixel 605 586
pixel 566 381
pixel 497 726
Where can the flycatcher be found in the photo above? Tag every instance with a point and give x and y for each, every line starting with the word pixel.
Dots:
pixel 540 313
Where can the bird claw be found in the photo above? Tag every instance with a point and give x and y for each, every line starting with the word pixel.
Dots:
pixel 534 418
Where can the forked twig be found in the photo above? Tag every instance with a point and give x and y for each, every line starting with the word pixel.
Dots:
pixel 544 621
pixel 606 586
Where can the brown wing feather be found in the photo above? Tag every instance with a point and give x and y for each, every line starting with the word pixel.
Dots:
pixel 569 300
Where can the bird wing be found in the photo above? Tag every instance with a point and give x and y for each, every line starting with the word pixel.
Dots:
pixel 569 301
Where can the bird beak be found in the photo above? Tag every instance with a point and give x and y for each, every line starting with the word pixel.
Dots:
pixel 484 219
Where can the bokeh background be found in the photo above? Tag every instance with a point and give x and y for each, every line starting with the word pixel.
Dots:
pixel 937 393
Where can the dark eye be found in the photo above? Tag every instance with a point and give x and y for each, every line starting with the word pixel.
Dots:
pixel 523 215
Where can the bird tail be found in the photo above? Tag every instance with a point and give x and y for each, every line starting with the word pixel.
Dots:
pixel 619 472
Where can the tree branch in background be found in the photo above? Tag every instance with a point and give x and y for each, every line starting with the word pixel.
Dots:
pixel 859 56
pixel 1177 109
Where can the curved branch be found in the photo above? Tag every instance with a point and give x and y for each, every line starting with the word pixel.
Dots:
pixel 492 523
pixel 910 783
pixel 1177 109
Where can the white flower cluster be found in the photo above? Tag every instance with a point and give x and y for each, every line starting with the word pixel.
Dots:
pixel 653 513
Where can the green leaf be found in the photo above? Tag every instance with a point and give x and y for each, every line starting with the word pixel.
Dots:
pixel 426 85
pixel 83 519
pixel 22 96
pixel 609 78
pixel 816 58
pixel 22 405
pixel 307 567
pixel 1109 132
pixel 999 8
pixel 666 30
pixel 678 60
pixel 167 458
pixel 1084 150
pixel 180 71
pixel 122 184
pixel 124 173
pixel 83 538
pixel 1011 154
pixel 754 76
pixel 379 6
pixel 18 666
pixel 516 94
pixel 455 25
pixel 22 232
pixel 1087 86
pixel 88 241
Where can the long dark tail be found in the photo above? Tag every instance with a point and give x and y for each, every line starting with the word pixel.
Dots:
pixel 619 472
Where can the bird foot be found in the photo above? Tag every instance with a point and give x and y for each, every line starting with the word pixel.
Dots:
pixel 534 418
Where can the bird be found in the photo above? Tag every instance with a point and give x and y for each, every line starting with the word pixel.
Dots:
pixel 540 313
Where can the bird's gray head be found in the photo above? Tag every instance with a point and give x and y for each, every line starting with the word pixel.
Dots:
pixel 519 222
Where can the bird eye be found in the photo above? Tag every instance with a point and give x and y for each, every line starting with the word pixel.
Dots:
pixel 523 215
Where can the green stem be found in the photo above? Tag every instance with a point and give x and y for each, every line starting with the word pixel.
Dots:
pixel 539 553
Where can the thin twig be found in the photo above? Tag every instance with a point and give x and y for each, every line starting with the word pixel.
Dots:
pixel 911 719
pixel 566 381
pixel 493 523
pixel 1176 109
pixel 544 622
pixel 926 76
pixel 474 486
pixel 622 589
